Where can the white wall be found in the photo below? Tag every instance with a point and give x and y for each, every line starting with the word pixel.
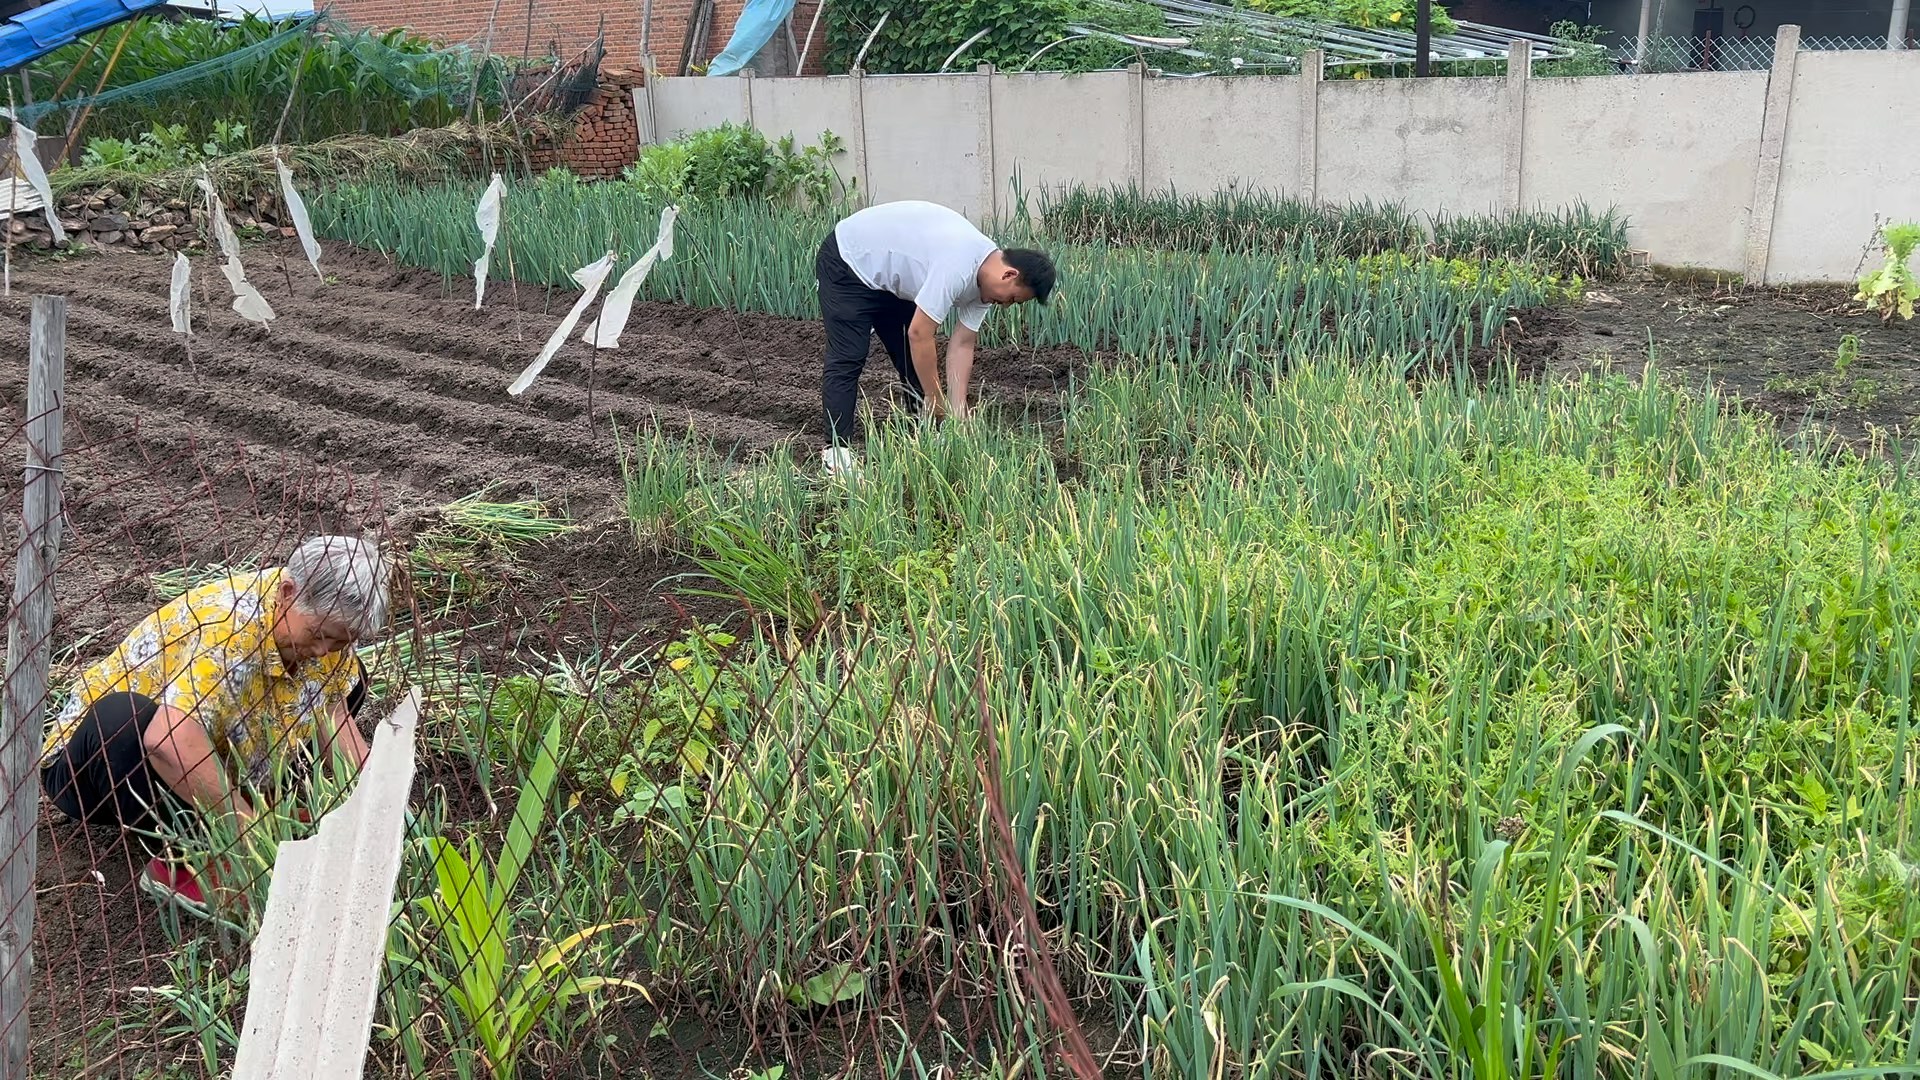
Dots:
pixel 1204 134
pixel 928 138
pixel 1688 178
pixel 691 104
pixel 1097 140
pixel 1850 154
pixel 1680 155
pixel 1434 144
pixel 803 108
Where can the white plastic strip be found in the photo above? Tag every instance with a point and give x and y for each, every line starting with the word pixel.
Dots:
pixel 180 299
pixel 23 139
pixel 589 278
pixel 317 960
pixel 297 209
pixel 223 233
pixel 487 216
pixel 247 300
pixel 605 331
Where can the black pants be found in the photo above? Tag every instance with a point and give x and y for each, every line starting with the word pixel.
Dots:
pixel 853 314
pixel 101 776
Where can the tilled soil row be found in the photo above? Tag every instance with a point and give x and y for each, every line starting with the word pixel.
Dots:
pixel 371 397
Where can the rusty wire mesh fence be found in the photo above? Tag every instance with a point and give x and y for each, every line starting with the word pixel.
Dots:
pixel 631 848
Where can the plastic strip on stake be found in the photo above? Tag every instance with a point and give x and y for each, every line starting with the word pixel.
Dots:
pixel 605 331
pixel 486 214
pixel 23 139
pixel 297 208
pixel 589 278
pixel 223 234
pixel 180 299
pixel 247 301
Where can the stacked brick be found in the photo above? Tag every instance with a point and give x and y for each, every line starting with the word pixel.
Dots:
pixel 606 134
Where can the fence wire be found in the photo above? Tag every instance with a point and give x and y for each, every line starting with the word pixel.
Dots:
pixel 1661 53
pixel 631 848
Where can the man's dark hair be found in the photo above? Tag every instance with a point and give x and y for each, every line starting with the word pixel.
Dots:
pixel 1036 270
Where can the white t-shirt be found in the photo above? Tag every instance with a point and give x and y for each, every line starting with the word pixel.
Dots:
pixel 919 251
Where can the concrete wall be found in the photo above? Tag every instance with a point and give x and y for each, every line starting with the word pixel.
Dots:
pixel 1438 143
pixel 1684 156
pixel 1205 134
pixel 1696 146
pixel 1028 135
pixel 1849 157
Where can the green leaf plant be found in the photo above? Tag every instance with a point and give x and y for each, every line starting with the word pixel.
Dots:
pixel 501 999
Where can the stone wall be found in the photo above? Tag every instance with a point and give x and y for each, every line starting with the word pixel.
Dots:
pixel 106 218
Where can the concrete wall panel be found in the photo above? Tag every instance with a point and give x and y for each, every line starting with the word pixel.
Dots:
pixel 1431 144
pixel 1206 134
pixel 1676 153
pixel 926 139
pixel 1849 155
pixel 1058 130
pixel 690 104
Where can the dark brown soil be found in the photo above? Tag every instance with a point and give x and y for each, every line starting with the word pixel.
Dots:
pixel 370 400
pixel 1770 349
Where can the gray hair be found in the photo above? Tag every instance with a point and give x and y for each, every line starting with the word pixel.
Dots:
pixel 344 578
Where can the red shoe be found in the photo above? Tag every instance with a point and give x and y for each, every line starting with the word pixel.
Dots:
pixel 176 885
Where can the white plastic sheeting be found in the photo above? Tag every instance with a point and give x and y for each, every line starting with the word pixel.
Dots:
pixel 605 331
pixel 247 300
pixel 179 299
pixel 486 214
pixel 317 959
pixel 297 209
pixel 23 139
pixel 590 278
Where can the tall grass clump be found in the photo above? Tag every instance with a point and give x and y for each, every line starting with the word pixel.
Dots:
pixel 1575 240
pixel 1348 730
pixel 1192 306
pixel 1233 219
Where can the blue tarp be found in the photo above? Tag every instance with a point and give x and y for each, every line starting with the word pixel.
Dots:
pixel 32 34
pixel 756 27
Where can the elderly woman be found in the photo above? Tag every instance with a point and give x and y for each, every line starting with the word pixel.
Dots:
pixel 209 701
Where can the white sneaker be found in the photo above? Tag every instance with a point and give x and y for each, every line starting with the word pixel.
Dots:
pixel 839 461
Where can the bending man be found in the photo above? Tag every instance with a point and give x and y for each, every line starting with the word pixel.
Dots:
pixel 217 700
pixel 899 270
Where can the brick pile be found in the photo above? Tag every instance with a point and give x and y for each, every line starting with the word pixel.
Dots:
pixel 606 134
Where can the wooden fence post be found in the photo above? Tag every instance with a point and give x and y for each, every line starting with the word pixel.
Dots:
pixel 29 653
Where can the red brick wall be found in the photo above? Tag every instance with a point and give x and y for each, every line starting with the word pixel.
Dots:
pixel 566 27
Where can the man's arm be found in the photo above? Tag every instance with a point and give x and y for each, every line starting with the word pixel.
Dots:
pixel 922 342
pixel 341 743
pixel 960 365
pixel 180 753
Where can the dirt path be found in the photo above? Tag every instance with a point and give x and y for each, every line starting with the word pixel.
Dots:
pixel 1778 350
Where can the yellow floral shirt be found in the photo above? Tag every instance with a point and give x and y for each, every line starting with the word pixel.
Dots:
pixel 211 653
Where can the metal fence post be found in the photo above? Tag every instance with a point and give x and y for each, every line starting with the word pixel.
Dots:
pixel 29 653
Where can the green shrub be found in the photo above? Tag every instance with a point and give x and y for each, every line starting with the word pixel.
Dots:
pixel 735 161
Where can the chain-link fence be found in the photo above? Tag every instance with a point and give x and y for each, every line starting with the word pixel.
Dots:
pixel 631 847
pixel 1667 54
